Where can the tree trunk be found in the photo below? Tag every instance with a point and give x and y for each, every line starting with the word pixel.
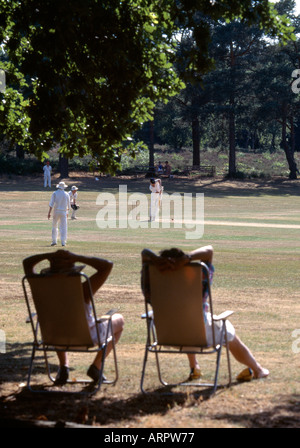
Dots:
pixel 288 151
pixel 196 142
pixel 293 136
pixel 232 155
pixel 151 169
pixel 63 166
pixel 20 152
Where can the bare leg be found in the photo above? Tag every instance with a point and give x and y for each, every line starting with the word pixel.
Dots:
pixel 195 372
pixel 63 359
pixel 118 324
pixel 243 355
pixel 193 361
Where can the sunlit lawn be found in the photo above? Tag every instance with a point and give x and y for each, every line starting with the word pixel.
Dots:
pixel 257 259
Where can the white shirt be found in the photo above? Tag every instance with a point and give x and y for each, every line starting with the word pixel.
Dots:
pixel 60 200
pixel 47 170
pixel 156 188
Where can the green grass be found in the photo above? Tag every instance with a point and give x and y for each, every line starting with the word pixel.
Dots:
pixel 257 275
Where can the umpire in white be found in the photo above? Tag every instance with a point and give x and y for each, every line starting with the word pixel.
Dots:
pixel 60 203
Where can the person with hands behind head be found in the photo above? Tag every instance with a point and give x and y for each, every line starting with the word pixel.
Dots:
pixel 65 261
pixel 174 259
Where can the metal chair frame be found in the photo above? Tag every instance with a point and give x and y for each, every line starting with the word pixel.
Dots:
pixel 39 345
pixel 153 345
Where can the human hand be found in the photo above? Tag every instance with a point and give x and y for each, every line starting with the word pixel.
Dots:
pixel 170 263
pixel 164 263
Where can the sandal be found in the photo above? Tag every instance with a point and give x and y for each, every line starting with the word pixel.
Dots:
pixel 245 375
pixel 195 374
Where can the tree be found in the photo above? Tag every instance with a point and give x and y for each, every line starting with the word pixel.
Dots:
pixel 85 74
pixel 235 47
pixel 272 83
pixel 91 72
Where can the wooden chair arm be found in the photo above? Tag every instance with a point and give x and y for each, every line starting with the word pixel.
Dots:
pixel 223 316
pixel 108 315
pixel 149 315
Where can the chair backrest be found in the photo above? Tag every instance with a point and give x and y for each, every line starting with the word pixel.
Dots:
pixel 176 299
pixel 60 308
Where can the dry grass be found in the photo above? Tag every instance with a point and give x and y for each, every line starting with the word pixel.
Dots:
pixel 257 275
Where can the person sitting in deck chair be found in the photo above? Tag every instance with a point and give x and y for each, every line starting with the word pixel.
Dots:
pixel 64 261
pixel 174 259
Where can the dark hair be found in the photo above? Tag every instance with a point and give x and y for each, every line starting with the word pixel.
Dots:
pixel 152 180
pixel 174 252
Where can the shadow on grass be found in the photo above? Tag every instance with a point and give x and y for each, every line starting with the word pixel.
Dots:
pixel 285 415
pixel 211 187
pixel 24 408
pixel 21 407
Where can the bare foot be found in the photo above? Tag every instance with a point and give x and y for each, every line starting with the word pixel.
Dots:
pixel 261 373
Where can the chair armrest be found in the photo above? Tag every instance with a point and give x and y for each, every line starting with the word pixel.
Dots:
pixel 149 315
pixel 223 316
pixel 28 318
pixel 108 315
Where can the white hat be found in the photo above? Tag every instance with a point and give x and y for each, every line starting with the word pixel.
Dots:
pixel 61 185
pixel 74 188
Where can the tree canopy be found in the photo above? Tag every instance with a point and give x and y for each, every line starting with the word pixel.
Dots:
pixel 86 74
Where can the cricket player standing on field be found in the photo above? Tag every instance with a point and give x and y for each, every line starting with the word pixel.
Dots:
pixel 47 174
pixel 73 198
pixel 60 203
pixel 156 192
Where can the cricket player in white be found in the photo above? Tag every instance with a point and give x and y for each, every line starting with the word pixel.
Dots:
pixel 60 203
pixel 73 198
pixel 156 193
pixel 47 174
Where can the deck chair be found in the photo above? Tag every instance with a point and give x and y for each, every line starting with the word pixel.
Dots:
pixel 55 304
pixel 175 319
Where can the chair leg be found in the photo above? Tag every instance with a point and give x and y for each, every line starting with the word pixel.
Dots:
pixel 217 369
pixel 48 367
pixel 143 371
pixel 159 371
pixel 219 356
pixel 30 367
pixel 228 358
pixel 113 382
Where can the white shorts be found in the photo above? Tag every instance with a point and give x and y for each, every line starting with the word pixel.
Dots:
pixel 102 328
pixel 218 326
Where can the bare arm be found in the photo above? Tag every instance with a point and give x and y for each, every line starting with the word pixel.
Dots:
pixel 204 254
pixel 65 259
pixel 30 262
pixel 103 269
pixel 162 263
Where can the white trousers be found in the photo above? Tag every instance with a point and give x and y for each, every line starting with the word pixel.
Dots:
pixel 154 205
pixel 59 219
pixel 47 180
